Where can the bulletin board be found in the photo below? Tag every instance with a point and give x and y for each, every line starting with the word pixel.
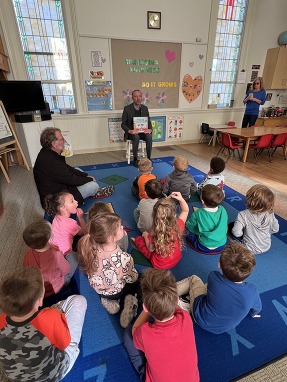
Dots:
pixel 169 75
pixel 152 67
pixel 192 75
pixel 96 73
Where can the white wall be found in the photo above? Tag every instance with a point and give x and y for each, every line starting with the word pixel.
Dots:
pixel 181 22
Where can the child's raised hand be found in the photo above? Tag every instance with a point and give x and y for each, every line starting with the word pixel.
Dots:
pixel 176 195
pixel 80 213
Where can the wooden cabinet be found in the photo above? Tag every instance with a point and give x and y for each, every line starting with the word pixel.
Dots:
pixel 271 122
pixel 275 69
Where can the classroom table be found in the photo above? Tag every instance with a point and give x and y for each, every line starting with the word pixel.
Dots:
pixel 215 128
pixel 251 134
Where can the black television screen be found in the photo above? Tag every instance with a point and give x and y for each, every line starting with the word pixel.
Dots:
pixel 19 96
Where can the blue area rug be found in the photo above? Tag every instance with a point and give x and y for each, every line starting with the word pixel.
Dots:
pixel 221 357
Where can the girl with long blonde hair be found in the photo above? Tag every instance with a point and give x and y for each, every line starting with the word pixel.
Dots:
pixel 162 246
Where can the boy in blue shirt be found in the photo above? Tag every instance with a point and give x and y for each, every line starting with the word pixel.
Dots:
pixel 227 299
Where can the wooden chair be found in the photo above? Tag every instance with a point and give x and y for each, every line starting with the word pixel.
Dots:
pixel 278 141
pixel 129 150
pixel 263 143
pixel 226 143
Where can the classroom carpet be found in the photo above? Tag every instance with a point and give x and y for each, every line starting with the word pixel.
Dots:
pixel 221 358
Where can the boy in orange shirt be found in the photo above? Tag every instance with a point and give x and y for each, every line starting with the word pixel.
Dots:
pixel 138 187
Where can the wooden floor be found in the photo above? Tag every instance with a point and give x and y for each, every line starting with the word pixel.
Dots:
pixel 273 175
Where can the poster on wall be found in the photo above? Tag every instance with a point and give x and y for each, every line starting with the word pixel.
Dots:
pixel 151 67
pixel 116 133
pixel 99 95
pixel 175 127
pixel 158 128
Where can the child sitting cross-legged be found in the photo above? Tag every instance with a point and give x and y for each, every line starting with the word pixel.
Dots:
pixel 180 180
pixel 162 245
pixel 143 213
pixel 56 268
pixel 255 225
pixel 164 350
pixel 208 225
pixel 103 208
pixel 227 299
pixel 145 168
pixel 214 176
pixel 110 271
pixel 37 345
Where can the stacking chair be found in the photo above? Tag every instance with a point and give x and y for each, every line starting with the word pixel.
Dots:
pixel 129 150
pixel 206 132
pixel 278 141
pixel 226 143
pixel 263 143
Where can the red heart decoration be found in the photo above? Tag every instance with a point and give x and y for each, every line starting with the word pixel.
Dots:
pixel 170 56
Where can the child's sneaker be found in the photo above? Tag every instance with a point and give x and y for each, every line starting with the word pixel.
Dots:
pixel 112 306
pixel 129 311
pixel 104 192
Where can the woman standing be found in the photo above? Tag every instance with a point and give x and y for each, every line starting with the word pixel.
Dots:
pixel 253 99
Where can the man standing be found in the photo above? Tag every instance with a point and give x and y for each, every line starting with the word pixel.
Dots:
pixel 136 109
pixel 52 174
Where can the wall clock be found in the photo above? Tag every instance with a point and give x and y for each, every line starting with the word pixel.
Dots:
pixel 153 20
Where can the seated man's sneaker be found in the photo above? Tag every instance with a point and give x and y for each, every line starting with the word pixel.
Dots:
pixel 104 192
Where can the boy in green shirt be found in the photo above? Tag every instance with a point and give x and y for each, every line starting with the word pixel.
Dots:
pixel 208 225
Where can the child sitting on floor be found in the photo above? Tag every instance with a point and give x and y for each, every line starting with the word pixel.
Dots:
pixel 56 269
pixel 208 225
pixel 103 208
pixel 255 225
pixel 162 246
pixel 180 180
pixel 143 213
pixel 145 168
pixel 214 176
pixel 37 345
pixel 164 350
pixel 64 229
pixel 226 300
pixel 110 271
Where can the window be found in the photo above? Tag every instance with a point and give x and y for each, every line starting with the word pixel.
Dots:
pixel 42 33
pixel 229 30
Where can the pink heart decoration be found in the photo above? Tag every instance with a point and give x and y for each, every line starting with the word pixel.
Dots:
pixel 191 64
pixel 103 60
pixel 170 56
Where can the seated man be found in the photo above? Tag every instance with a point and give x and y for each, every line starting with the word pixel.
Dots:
pixel 136 109
pixel 52 174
